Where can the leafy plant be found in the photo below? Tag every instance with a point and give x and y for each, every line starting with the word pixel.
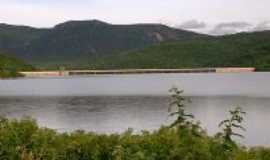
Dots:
pixel 234 122
pixel 230 127
pixel 179 102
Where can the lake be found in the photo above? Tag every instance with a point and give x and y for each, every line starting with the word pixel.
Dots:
pixel 114 103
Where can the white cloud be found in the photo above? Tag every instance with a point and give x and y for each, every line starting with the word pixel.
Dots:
pixel 265 25
pixel 192 24
pixel 230 28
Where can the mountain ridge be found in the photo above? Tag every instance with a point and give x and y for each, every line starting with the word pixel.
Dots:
pixel 99 45
pixel 73 39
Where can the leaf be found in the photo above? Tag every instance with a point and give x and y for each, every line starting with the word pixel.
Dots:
pixel 239 126
pixel 223 122
pixel 189 115
pixel 238 135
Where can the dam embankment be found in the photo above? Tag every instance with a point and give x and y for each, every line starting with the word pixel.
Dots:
pixel 134 71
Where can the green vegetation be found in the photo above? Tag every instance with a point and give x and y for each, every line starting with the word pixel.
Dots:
pixel 234 122
pixel 184 140
pixel 179 101
pixel 99 45
pixel 78 39
pixel 240 50
pixel 10 66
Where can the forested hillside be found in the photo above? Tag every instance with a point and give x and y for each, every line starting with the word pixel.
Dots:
pixel 79 39
pixel 9 66
pixel 99 45
pixel 240 50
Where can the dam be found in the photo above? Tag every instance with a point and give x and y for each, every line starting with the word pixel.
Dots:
pixel 64 73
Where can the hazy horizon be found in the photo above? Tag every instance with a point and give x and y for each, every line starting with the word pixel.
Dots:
pixel 216 17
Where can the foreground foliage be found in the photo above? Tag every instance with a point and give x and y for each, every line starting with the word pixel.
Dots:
pixel 183 140
pixel 24 140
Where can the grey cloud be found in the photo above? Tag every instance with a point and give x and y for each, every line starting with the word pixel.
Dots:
pixel 230 28
pixel 222 31
pixel 265 25
pixel 233 25
pixel 192 24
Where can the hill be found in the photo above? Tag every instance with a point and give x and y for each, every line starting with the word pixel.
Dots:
pixel 99 45
pixel 10 65
pixel 79 39
pixel 239 50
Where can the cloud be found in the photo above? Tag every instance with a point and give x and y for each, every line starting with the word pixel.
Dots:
pixel 233 25
pixel 192 24
pixel 230 28
pixel 265 25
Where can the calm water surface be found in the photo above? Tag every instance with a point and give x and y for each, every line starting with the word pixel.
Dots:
pixel 114 103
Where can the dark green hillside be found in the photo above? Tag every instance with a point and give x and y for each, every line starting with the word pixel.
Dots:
pixel 96 44
pixel 245 49
pixel 17 39
pixel 9 66
pixel 78 39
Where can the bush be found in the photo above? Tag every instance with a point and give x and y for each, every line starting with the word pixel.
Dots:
pixel 24 140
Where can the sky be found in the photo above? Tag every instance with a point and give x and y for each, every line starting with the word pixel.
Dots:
pixel 215 17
